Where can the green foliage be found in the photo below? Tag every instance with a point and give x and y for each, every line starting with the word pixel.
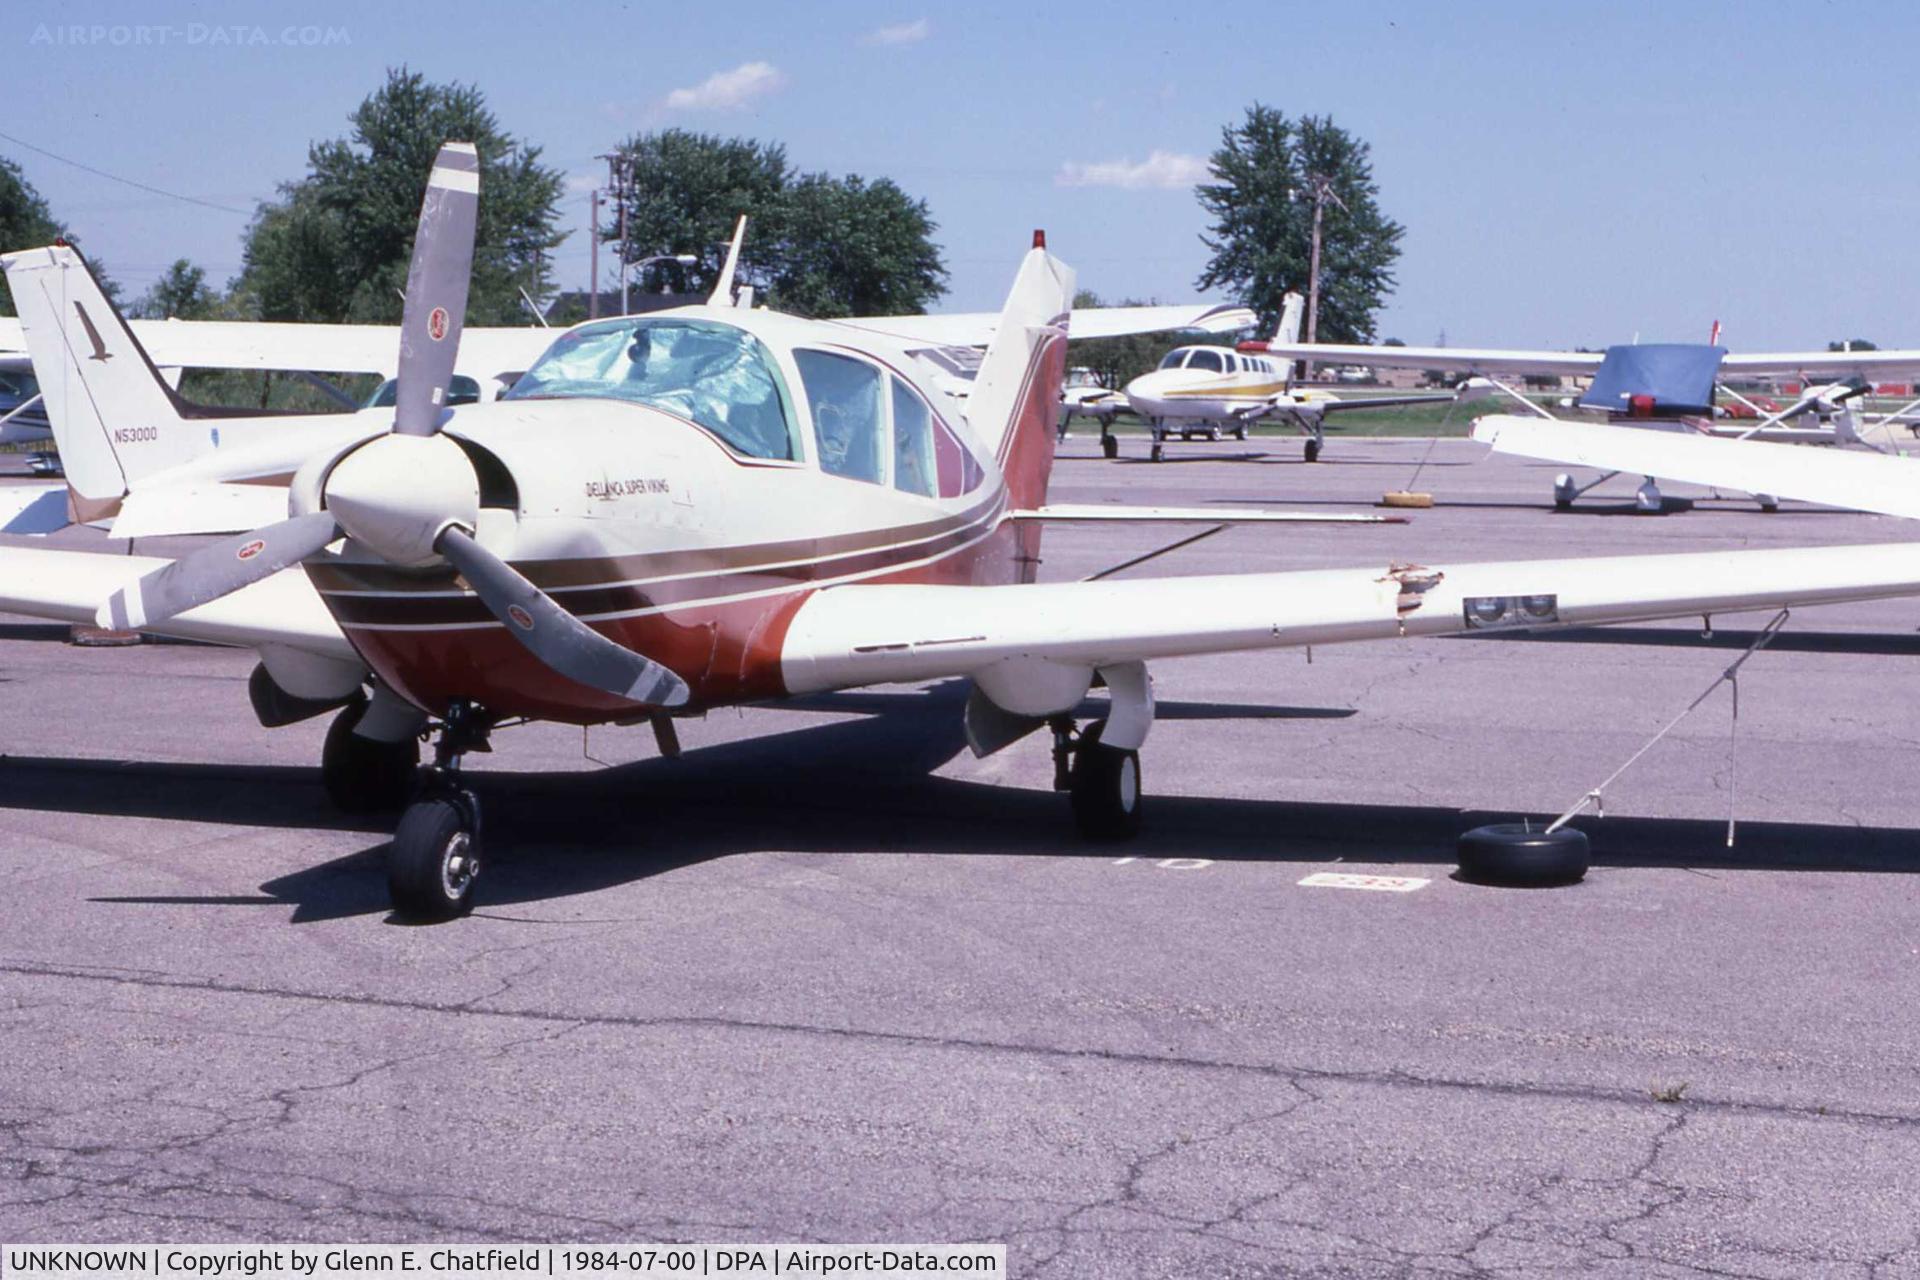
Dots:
pixel 1116 361
pixel 685 191
pixel 180 294
pixel 854 248
pixel 1262 201
pixel 816 245
pixel 1854 344
pixel 336 246
pixel 25 220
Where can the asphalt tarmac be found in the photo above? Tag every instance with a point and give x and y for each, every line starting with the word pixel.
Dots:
pixel 827 977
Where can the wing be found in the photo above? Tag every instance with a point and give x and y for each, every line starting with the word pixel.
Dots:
pixel 874 634
pixel 975 329
pixel 323 348
pixel 1448 359
pixel 1889 485
pixel 68 586
pixel 1381 402
pixel 1826 364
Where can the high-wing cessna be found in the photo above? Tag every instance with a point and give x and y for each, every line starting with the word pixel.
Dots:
pixel 717 505
pixel 1669 388
pixel 1210 391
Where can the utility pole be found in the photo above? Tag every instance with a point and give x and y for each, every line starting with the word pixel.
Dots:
pixel 593 255
pixel 619 174
pixel 1322 192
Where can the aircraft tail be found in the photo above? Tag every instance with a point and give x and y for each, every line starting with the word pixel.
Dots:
pixel 114 418
pixel 1015 399
pixel 1292 308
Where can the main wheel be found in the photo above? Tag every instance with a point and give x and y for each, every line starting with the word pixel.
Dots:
pixel 1511 854
pixel 1564 492
pixel 1157 454
pixel 1105 788
pixel 434 859
pixel 1213 433
pixel 1313 450
pixel 1239 433
pixel 1110 446
pixel 362 775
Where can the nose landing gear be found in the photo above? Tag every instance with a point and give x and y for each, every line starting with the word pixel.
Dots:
pixel 435 856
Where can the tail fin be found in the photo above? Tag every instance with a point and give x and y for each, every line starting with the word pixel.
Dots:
pixel 114 418
pixel 1292 307
pixel 1016 395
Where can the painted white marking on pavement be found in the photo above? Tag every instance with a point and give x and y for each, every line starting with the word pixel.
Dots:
pixel 1379 884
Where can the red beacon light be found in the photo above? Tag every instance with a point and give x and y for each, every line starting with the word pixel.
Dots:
pixel 1252 347
pixel 1640 406
pixel 1039 238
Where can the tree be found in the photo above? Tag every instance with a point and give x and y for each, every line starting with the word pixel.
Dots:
pixel 854 248
pixel 180 294
pixel 1262 205
pixel 336 246
pixel 685 191
pixel 25 220
pixel 816 244
pixel 1853 344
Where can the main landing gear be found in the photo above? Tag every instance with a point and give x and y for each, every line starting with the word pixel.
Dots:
pixel 1103 782
pixel 435 856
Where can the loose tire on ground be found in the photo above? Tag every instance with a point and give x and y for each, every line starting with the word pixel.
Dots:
pixel 433 861
pixel 364 776
pixel 1509 853
pixel 1105 788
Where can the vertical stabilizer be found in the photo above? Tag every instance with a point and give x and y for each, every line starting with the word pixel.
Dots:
pixel 722 295
pixel 1292 308
pixel 113 417
pixel 1016 395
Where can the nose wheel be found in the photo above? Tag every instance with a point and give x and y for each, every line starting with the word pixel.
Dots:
pixel 435 856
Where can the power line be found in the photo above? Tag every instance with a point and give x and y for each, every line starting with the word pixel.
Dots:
pixel 101 173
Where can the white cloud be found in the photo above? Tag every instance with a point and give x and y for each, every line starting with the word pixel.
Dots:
pixel 728 90
pixel 903 33
pixel 1167 170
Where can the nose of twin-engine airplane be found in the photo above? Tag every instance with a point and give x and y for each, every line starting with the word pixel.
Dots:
pixel 397 494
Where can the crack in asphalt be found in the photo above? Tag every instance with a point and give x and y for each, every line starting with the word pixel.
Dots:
pixel 1279 1071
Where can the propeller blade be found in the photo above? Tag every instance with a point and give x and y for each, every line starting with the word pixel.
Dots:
pixel 555 636
pixel 216 570
pixel 437 280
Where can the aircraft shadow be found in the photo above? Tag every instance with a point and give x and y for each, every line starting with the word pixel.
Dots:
pixel 852 786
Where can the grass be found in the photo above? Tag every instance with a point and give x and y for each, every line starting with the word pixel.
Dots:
pixel 1440 418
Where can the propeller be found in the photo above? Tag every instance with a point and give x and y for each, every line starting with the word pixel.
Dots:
pixel 411 496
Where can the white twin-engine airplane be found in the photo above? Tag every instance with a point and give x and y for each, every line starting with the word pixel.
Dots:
pixel 1213 391
pixel 719 505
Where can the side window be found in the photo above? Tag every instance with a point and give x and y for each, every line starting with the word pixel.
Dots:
pixel 915 470
pixel 847 422
pixel 959 472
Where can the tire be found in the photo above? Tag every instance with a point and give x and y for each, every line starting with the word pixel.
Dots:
pixel 364 776
pixel 1158 453
pixel 1511 854
pixel 1213 433
pixel 1110 446
pixel 1313 451
pixel 1239 433
pixel 1105 788
pixel 433 861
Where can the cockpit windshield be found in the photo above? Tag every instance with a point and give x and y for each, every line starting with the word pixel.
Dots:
pixel 715 375
pixel 1174 359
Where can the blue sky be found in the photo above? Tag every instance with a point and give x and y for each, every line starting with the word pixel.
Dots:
pixel 1567 173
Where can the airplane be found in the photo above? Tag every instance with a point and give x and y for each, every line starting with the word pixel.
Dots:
pixel 1669 388
pixel 721 505
pixel 1210 391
